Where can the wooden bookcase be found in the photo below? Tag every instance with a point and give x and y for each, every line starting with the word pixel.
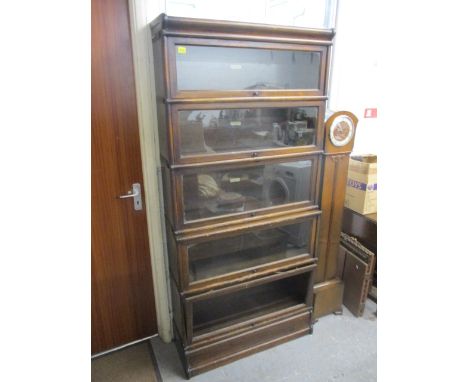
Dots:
pixel 254 179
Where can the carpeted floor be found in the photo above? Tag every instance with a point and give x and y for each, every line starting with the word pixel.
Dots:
pixel 342 349
pixel 132 364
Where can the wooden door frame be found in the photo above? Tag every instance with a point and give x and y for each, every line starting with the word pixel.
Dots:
pixel 150 157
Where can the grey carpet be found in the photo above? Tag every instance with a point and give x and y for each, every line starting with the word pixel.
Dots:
pixel 132 364
pixel 341 349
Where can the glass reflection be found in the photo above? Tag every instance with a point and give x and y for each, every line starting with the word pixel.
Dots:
pixel 230 68
pixel 255 248
pixel 217 131
pixel 226 191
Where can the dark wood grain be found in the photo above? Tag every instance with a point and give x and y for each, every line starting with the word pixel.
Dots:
pixel 328 289
pixel 209 331
pixel 363 228
pixel 235 347
pixel 122 298
pixel 259 99
pixel 356 269
pixel 225 230
pixel 170 25
pixel 212 332
pixel 328 296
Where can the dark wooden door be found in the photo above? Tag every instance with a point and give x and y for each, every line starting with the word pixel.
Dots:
pixel 123 307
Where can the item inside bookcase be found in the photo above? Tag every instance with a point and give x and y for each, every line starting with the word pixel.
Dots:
pixel 229 309
pixel 226 191
pixel 252 249
pixel 227 130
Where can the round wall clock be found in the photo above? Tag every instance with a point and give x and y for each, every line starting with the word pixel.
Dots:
pixel 341 130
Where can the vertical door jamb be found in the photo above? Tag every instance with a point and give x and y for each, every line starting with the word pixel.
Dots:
pixel 149 141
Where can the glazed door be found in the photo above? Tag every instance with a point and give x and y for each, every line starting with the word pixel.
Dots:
pixel 123 308
pixel 221 131
pixel 250 251
pixel 214 68
pixel 213 194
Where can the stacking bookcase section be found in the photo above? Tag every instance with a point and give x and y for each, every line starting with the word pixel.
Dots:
pixel 206 260
pixel 274 78
pixel 211 194
pixel 219 326
pixel 200 67
pixel 206 132
pixel 251 180
pixel 217 312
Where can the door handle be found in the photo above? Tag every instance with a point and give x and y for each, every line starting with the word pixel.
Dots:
pixel 134 193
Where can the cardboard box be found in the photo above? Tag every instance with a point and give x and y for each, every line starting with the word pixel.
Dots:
pixel 361 188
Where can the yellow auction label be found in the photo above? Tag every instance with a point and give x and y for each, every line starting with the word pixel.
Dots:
pixel 181 50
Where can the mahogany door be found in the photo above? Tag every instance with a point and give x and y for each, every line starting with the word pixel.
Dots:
pixel 123 308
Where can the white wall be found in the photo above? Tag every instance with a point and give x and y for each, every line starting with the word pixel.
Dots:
pixel 306 13
pixel 354 82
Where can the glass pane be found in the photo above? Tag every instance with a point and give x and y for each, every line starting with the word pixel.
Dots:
pixel 231 254
pixel 227 191
pixel 217 131
pixel 225 68
pixel 226 310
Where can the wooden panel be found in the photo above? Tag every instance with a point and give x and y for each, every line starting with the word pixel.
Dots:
pixel 335 170
pixel 172 254
pixel 168 192
pixel 328 298
pixel 178 311
pixel 177 26
pixel 122 299
pixel 236 347
pixel 356 280
pixel 336 215
pixel 248 274
pixel 159 70
pixel 356 271
pixel 363 228
pixel 325 205
pixel 236 227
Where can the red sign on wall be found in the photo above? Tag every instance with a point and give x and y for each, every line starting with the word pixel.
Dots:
pixel 370 113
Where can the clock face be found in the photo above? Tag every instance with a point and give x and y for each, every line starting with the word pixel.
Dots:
pixel 341 130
